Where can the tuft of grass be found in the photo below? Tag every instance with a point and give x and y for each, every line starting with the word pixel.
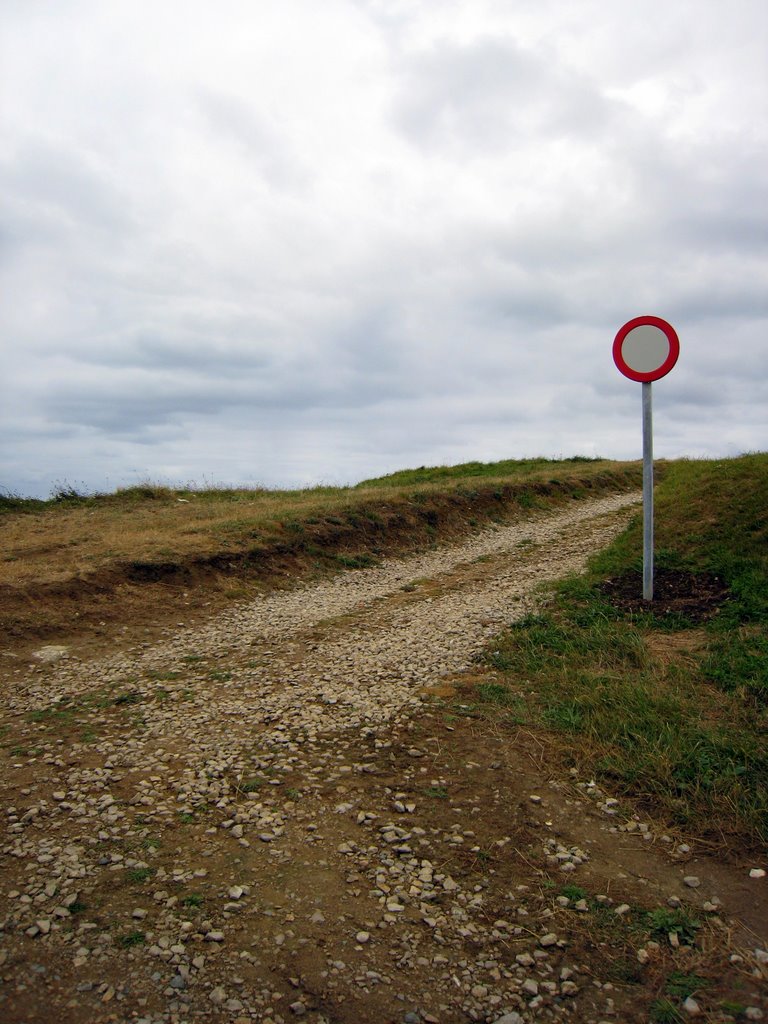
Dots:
pixel 132 939
pixel 140 874
pixel 362 561
pixel 436 792
pixel 681 985
pixel 664 1011
pixel 251 785
pixel 573 892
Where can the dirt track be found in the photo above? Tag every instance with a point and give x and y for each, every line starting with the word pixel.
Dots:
pixel 274 817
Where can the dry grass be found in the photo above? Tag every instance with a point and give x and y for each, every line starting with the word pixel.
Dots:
pixel 684 648
pixel 63 540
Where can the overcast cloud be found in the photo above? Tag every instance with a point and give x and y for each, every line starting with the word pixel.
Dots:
pixel 292 242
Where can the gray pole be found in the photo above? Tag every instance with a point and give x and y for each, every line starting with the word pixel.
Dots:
pixel 647 493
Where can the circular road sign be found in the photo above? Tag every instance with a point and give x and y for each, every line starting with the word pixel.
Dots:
pixel 646 348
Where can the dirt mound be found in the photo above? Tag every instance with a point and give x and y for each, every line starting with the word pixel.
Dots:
pixel 696 596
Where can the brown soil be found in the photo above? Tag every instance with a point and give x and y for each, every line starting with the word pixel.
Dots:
pixel 694 596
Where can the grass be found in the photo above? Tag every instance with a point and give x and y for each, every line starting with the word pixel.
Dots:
pixel 670 710
pixel 140 874
pixel 436 792
pixel 476 471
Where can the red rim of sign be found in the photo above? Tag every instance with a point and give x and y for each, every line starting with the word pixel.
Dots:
pixel 660 371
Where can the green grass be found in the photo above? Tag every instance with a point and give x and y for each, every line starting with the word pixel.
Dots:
pixel 472 470
pixel 680 921
pixel 681 985
pixel 140 874
pixel 684 734
pixel 664 1011
pixel 436 792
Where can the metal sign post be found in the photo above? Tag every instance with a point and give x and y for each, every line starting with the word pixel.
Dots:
pixel 646 349
pixel 647 493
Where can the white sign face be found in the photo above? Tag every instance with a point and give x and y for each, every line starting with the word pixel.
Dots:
pixel 645 349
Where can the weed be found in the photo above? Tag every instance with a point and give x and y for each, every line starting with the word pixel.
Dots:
pixel 140 874
pixel 437 792
pixel 664 922
pixel 219 676
pixel 193 900
pixel 132 939
pixel 574 893
pixel 186 817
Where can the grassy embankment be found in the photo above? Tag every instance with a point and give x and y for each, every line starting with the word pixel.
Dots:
pixel 133 556
pixel 671 708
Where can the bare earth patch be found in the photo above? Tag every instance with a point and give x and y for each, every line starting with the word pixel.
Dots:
pixel 696 596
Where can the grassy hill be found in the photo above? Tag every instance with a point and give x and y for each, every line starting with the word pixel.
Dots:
pixel 667 702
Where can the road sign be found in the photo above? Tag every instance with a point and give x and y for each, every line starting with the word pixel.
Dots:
pixel 646 348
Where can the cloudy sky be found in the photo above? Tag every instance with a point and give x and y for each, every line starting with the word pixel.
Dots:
pixel 289 242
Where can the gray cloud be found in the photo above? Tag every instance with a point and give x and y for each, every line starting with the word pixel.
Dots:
pixel 241 126
pixel 492 95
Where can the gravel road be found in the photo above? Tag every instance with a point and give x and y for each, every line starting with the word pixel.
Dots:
pixel 263 819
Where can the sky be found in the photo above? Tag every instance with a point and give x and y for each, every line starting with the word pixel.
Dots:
pixel 284 243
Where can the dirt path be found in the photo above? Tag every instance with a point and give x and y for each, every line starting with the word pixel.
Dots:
pixel 272 818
